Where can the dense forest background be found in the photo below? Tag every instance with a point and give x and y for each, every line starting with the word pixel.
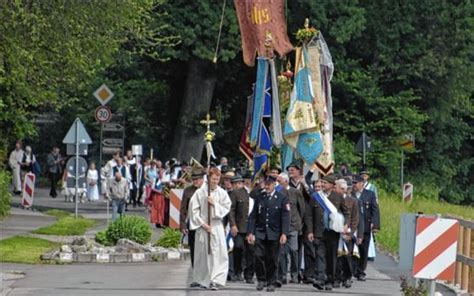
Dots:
pixel 401 67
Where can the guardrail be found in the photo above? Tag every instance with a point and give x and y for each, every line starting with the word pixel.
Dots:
pixel 464 277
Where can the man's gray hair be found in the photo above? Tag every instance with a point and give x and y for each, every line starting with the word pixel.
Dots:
pixel 285 177
pixel 342 183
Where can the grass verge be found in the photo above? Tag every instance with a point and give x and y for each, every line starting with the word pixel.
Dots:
pixel 21 249
pixel 57 213
pixel 391 208
pixel 65 225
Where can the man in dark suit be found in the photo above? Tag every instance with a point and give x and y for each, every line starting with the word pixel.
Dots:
pixel 267 228
pixel 371 218
pixel 346 270
pixel 197 176
pixel 331 237
pixel 306 249
pixel 242 204
pixel 297 211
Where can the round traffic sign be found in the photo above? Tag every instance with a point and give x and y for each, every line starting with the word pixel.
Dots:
pixel 103 114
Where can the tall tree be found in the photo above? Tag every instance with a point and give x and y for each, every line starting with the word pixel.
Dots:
pixel 51 50
pixel 197 23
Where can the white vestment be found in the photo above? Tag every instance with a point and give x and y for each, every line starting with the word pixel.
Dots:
pixel 15 159
pixel 93 190
pixel 215 266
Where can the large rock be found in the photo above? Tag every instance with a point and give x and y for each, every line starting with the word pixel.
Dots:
pixel 79 248
pixel 92 245
pixel 127 246
pixel 66 249
pixel 51 255
pixel 79 241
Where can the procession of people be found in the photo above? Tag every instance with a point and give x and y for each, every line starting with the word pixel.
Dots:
pixel 288 227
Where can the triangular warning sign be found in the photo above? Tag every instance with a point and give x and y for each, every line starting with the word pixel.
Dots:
pixel 83 136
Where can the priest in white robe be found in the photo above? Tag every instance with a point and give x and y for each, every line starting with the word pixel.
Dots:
pixel 16 157
pixel 210 270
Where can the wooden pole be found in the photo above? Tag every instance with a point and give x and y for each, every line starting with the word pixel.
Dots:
pixel 471 272
pixel 466 252
pixel 208 204
pixel 457 280
pixel 208 137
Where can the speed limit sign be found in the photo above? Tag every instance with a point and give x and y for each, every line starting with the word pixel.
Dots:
pixel 103 114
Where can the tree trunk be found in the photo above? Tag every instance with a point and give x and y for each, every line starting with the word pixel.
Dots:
pixel 188 140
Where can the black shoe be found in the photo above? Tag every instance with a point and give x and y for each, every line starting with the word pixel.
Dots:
pixel 271 288
pixel 337 284
pixel 348 284
pixel 249 281
pixel 284 282
pixel 238 278
pixel 308 280
pixel 278 284
pixel 361 278
pixel 260 286
pixel 213 287
pixel 194 285
pixel 328 287
pixel 318 285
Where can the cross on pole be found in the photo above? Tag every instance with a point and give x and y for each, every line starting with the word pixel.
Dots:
pixel 209 135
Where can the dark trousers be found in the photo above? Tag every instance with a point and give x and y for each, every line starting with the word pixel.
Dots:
pixel 134 199
pixel 243 252
pixel 266 260
pixel 320 262
pixel 331 241
pixel 231 273
pixel 345 268
pixel 53 178
pixel 290 249
pixel 306 251
pixel 191 238
pixel 364 252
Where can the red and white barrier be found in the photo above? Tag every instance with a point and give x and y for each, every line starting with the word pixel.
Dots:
pixel 435 248
pixel 176 195
pixel 28 190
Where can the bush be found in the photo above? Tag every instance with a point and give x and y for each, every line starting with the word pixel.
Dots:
pixel 134 228
pixel 4 194
pixel 101 238
pixel 170 238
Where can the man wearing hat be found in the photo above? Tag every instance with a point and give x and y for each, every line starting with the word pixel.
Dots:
pixel 227 175
pixel 247 180
pixel 355 227
pixel 305 247
pixel 197 176
pixel 330 238
pixel 268 227
pixel 297 210
pixel 242 204
pixel 365 174
pixel 371 218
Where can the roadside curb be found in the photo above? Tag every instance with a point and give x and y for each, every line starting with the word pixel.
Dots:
pixel 117 257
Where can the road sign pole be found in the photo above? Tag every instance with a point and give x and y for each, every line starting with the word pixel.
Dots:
pixel 100 157
pixel 432 287
pixel 77 168
pixel 363 147
pixel 401 170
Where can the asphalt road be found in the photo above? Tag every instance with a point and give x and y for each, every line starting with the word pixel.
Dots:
pixel 163 278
